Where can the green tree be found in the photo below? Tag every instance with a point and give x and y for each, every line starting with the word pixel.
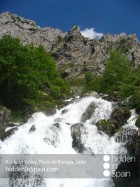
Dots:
pixel 28 75
pixel 117 71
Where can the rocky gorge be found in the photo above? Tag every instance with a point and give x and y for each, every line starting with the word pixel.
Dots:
pixel 75 55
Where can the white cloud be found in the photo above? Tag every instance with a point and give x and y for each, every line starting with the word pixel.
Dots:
pixel 90 33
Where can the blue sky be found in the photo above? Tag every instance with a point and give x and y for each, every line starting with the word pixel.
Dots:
pixel 106 16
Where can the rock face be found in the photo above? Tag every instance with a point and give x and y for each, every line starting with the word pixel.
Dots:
pixel 28 31
pixel 4 119
pixel 74 54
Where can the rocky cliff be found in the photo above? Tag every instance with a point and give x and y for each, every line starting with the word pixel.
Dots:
pixel 28 31
pixel 74 53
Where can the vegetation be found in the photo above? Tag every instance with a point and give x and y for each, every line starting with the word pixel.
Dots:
pixel 29 77
pixel 119 79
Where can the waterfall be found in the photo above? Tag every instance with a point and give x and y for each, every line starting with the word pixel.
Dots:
pixel 51 134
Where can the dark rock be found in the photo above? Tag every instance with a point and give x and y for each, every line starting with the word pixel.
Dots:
pixel 68 123
pixel 12 125
pixel 133 167
pixel 9 133
pixel 111 98
pixel 4 120
pixel 88 112
pixel 121 115
pixel 32 129
pixel 138 121
pixel 107 126
pixel 64 111
pixel 118 118
pixel 50 112
pixel 76 132
pixel 132 178
pixel 57 125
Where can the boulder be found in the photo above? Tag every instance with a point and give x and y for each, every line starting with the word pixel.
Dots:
pixel 32 129
pixel 76 132
pixel 111 98
pixel 64 111
pixel 50 112
pixel 138 121
pixel 107 126
pixel 9 133
pixel 121 115
pixel 88 112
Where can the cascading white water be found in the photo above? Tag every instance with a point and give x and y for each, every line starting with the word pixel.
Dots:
pixel 47 139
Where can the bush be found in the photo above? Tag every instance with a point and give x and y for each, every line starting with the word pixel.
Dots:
pixel 28 75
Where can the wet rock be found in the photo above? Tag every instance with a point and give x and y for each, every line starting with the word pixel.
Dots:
pixel 57 125
pixel 4 120
pixel 138 121
pixel 76 132
pixel 9 133
pixel 121 115
pixel 50 112
pixel 125 135
pixel 32 129
pixel 111 98
pixel 64 111
pixel 107 126
pixel 88 112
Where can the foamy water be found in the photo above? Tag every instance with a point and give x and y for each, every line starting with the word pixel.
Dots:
pixel 48 139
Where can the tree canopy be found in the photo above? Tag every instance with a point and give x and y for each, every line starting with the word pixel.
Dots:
pixel 28 75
